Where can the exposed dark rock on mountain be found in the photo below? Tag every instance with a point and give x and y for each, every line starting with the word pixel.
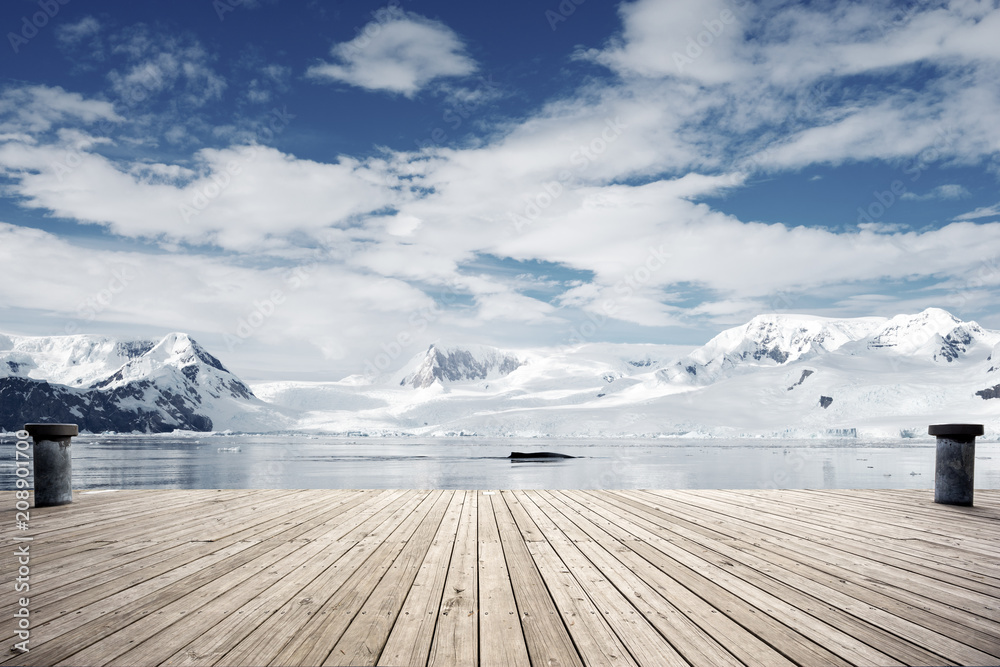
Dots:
pixel 456 365
pixel 989 392
pixel 23 400
pixel 806 373
pixel 955 344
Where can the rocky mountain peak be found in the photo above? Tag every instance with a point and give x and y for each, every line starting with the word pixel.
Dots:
pixel 442 363
pixel 778 339
pixel 104 383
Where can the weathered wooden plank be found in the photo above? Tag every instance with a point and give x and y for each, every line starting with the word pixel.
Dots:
pixel 806 578
pixel 112 646
pixel 640 638
pixel 87 554
pixel 194 578
pixel 603 526
pixel 134 521
pixel 55 620
pixel 501 640
pixel 319 635
pixel 917 523
pixel 914 504
pixel 691 641
pixel 409 642
pixel 848 637
pixel 914 548
pixel 626 577
pixel 896 593
pixel 234 604
pixel 86 506
pixel 62 544
pixel 833 569
pixel 864 522
pixel 261 571
pixel 363 640
pixel 109 574
pixel 545 634
pixel 456 635
pixel 871 561
pixel 790 642
pixel 595 639
pixel 765 594
pixel 276 610
pixel 85 600
pixel 292 627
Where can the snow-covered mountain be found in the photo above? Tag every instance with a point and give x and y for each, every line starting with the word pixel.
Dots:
pixel 777 375
pixel 767 340
pixel 777 340
pixel 102 383
pixel 793 375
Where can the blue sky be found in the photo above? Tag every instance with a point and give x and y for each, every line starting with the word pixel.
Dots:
pixel 309 186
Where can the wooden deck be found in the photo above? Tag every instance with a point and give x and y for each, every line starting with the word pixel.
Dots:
pixel 254 577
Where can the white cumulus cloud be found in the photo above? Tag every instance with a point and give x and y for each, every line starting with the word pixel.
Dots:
pixel 399 53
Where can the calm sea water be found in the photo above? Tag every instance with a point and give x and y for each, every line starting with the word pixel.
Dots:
pixel 299 462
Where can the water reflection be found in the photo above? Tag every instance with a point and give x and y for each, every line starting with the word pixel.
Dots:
pixel 200 462
pixel 829 475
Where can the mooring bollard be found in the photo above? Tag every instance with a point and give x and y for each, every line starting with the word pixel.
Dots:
pixel 53 463
pixel 954 469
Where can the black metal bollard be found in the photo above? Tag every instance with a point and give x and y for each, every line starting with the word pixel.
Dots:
pixel 954 468
pixel 53 463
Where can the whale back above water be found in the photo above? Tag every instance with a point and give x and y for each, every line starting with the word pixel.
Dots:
pixel 539 455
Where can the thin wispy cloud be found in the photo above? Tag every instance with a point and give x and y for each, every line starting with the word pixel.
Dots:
pixel 71 34
pixel 981 212
pixel 947 191
pixel 157 63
